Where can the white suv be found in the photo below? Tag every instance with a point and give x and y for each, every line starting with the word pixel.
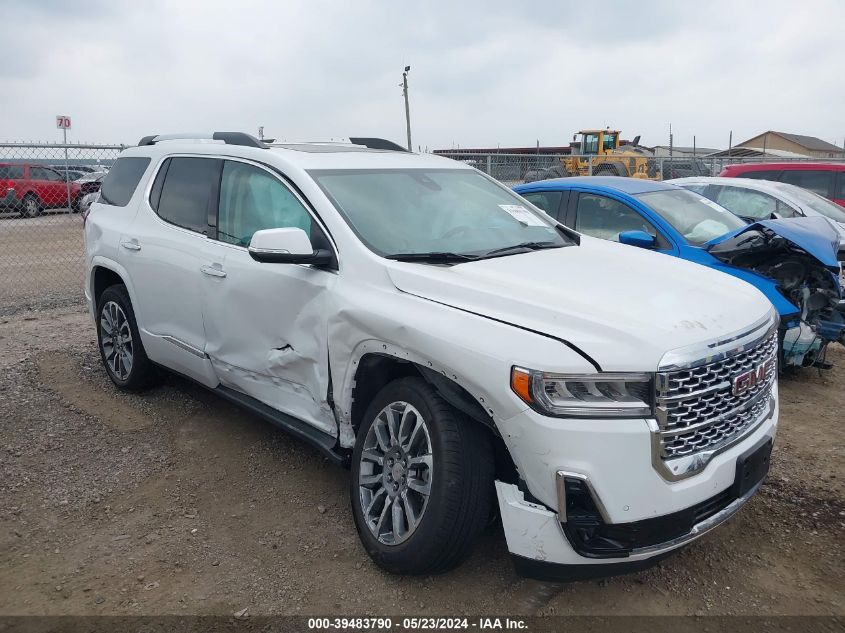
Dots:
pixel 451 343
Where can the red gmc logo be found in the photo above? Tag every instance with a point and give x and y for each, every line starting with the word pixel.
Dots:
pixel 750 379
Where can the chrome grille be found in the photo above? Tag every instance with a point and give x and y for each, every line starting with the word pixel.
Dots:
pixel 697 409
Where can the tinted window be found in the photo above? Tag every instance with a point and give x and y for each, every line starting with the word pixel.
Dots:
pixel 42 173
pixel 747 203
pixel 11 172
pixel 186 192
pixel 840 188
pixel 816 181
pixel 606 218
pixel 764 174
pixel 252 199
pixel 548 201
pixel 122 180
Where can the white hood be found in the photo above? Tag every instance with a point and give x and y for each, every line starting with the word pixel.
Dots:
pixel 624 307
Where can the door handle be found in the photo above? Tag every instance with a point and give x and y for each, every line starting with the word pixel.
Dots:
pixel 132 246
pixel 213 271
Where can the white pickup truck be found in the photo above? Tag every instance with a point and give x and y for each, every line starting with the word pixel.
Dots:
pixel 454 345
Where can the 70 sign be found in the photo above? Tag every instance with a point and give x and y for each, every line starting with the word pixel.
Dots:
pixel 62 122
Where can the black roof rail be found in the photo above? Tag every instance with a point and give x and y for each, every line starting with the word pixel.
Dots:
pixel 377 143
pixel 230 138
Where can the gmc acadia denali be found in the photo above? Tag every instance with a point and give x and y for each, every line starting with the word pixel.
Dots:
pixel 449 342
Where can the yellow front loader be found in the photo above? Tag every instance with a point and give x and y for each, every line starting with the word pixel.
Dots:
pixel 599 152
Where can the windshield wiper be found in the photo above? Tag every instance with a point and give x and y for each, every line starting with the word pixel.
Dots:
pixel 522 248
pixel 433 258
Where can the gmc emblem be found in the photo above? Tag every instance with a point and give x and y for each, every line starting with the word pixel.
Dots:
pixel 750 379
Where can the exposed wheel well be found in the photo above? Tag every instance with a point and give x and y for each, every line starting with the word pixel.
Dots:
pixel 103 278
pixel 377 370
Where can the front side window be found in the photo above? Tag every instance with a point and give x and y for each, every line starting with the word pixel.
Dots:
pixel 696 218
pixel 186 192
pixel 121 181
pixel 422 211
pixel 605 218
pixel 815 180
pixel 252 199
pixel 756 205
pixel 591 144
pixel 548 201
pixel 42 173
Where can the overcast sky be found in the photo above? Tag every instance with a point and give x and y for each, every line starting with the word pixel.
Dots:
pixel 483 72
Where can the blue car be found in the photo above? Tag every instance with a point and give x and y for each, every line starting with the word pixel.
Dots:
pixel 793 262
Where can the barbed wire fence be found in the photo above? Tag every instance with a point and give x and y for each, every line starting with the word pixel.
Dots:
pixel 42 187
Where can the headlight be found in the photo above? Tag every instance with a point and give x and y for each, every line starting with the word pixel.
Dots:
pixel 605 395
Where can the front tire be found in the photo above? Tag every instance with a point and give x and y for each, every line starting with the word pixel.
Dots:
pixel 30 206
pixel 422 480
pixel 121 349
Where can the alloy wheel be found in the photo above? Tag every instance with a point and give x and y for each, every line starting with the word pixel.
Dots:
pixel 116 340
pixel 396 472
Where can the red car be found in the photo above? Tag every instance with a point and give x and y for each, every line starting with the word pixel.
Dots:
pixel 31 188
pixel 826 179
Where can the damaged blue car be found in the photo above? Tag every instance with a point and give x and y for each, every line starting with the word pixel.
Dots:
pixel 794 262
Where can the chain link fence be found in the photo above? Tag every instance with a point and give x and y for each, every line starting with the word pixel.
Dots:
pixel 513 169
pixel 42 187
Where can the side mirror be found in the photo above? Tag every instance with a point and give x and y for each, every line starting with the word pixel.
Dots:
pixel 637 238
pixel 286 246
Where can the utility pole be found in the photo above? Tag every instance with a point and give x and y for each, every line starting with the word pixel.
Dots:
pixel 407 108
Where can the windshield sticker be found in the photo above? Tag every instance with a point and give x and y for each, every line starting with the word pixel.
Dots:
pixel 521 214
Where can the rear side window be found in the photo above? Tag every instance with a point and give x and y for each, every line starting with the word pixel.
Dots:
pixel 812 179
pixel 187 192
pixel 11 172
pixel 763 174
pixel 122 180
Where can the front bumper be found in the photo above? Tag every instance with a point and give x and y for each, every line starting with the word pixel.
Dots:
pixel 653 515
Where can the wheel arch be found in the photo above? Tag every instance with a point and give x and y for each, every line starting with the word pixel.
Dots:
pixel 104 273
pixel 375 369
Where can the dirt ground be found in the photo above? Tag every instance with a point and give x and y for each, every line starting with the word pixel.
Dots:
pixel 175 502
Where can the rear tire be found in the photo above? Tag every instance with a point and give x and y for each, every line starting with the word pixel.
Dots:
pixel 121 349
pixel 411 441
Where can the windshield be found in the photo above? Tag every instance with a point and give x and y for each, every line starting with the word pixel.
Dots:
pixel 406 211
pixel 817 203
pixel 695 217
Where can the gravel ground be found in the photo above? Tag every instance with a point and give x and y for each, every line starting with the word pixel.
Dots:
pixel 175 502
pixel 42 260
